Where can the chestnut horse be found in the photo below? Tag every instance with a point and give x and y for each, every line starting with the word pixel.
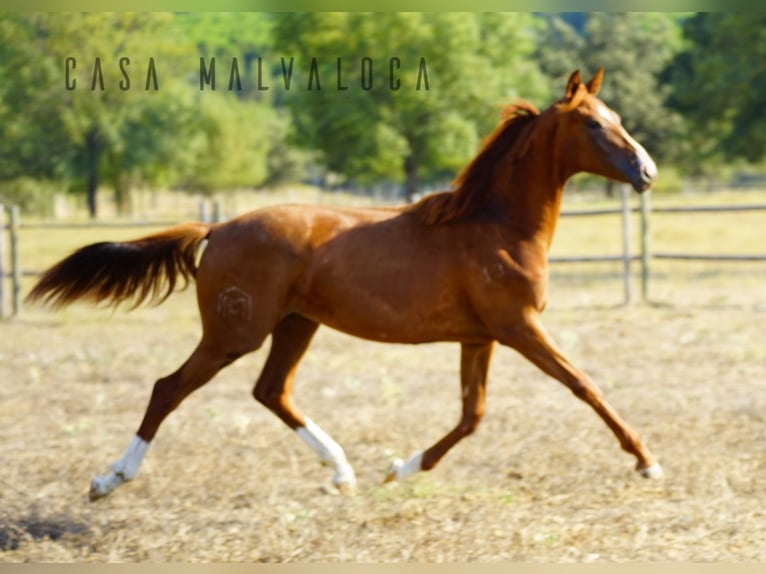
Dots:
pixel 467 265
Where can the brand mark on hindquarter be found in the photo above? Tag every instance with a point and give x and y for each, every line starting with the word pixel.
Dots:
pixel 234 304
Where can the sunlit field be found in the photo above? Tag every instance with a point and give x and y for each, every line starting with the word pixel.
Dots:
pixel 542 480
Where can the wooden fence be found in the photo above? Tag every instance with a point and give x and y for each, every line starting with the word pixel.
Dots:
pixel 11 268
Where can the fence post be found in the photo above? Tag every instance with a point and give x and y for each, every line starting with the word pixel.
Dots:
pixel 2 262
pixel 626 236
pixel 217 211
pixel 646 255
pixel 15 265
pixel 204 211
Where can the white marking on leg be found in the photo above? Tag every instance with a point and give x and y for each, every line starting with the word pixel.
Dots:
pixel 329 452
pixel 130 462
pixel 400 470
pixel 126 468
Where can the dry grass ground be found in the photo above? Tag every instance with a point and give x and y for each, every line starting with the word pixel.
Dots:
pixel 542 480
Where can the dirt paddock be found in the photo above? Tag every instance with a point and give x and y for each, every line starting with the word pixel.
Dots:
pixel 542 480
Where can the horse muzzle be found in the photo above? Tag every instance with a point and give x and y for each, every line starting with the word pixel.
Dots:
pixel 643 170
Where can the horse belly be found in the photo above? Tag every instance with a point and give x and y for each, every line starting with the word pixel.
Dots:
pixel 390 307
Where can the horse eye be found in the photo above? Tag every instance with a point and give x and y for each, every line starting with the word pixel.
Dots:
pixel 593 124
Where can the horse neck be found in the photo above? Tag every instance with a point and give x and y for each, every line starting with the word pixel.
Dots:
pixel 531 192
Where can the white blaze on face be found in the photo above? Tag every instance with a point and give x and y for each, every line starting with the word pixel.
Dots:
pixel 605 112
pixel 643 156
pixel 644 159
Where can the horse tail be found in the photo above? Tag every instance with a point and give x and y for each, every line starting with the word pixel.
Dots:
pixel 146 268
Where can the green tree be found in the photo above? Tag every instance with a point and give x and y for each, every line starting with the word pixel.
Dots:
pixel 150 148
pixel 242 35
pixel 34 139
pixel 248 38
pixel 68 113
pixel 81 133
pixel 719 82
pixel 231 148
pixel 452 71
pixel 107 124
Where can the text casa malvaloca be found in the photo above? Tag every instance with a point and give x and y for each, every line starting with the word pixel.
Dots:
pixel 284 73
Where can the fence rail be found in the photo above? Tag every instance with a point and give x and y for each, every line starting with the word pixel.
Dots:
pixel 708 208
pixel 10 268
pixel 704 257
pixel 100 225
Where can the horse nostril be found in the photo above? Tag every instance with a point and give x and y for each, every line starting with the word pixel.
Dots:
pixel 648 172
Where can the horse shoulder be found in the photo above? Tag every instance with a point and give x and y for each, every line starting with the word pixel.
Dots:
pixel 502 282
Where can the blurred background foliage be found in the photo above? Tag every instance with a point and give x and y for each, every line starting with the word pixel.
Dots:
pixel 691 87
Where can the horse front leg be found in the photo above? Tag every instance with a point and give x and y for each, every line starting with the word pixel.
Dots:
pixel 533 342
pixel 474 365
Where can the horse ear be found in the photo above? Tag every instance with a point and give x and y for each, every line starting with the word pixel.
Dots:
pixel 574 82
pixel 595 84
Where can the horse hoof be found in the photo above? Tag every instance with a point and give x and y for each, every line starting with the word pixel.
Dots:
pixel 346 488
pixel 97 490
pixel 653 471
pixel 100 486
pixel 345 479
pixel 394 470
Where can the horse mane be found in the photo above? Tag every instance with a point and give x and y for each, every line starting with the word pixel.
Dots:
pixel 474 183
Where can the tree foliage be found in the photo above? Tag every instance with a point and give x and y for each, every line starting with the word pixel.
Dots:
pixel 154 130
pixel 453 72
pixel 404 98
pixel 33 137
pixel 719 82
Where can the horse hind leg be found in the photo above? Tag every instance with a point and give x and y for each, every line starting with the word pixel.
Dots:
pixel 206 360
pixel 290 339
pixel 474 365
pixel 231 328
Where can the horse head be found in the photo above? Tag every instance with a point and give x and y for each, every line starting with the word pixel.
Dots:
pixel 595 140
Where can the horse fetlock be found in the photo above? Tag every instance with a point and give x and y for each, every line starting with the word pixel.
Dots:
pixel 124 471
pixel 400 469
